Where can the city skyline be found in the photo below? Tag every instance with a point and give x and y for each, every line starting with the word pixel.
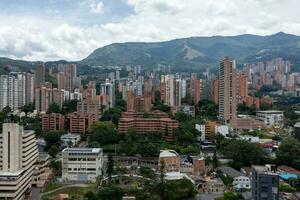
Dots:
pixel 70 30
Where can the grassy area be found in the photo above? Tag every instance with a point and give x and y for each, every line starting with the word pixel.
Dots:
pixel 73 192
pixel 52 186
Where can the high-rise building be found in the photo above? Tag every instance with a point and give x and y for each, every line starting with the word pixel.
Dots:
pixel 108 92
pixel 12 91
pixel 18 156
pixel 40 75
pixel 215 91
pixel 71 76
pixel 61 81
pixel 178 92
pixel 195 87
pixel 43 98
pixel 30 80
pixel 242 85
pixel 227 91
pixel 265 183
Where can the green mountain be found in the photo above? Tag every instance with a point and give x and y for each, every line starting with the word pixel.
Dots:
pixel 186 54
pixel 199 51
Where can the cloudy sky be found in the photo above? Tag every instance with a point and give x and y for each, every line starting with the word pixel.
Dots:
pixel 71 29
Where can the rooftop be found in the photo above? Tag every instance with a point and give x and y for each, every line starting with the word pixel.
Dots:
pixel 229 171
pixel 168 153
pixel 270 111
pixel 82 150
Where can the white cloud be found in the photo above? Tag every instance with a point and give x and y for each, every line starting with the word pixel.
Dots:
pixel 36 38
pixel 96 7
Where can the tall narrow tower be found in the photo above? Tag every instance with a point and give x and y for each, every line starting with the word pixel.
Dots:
pixel 227 91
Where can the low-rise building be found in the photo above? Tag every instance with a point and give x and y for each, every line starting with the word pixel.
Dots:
pixel 240 181
pixel 81 164
pixel 74 139
pixel 207 130
pixel 271 118
pixel 170 159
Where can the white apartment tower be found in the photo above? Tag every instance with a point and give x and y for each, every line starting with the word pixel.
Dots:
pixel 18 150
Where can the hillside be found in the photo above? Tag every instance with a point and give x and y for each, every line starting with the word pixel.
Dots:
pixel 199 51
pixel 195 53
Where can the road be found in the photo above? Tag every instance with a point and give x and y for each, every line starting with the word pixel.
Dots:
pixel 35 194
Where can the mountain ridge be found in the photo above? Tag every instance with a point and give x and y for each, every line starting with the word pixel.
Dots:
pixel 205 51
pixel 197 52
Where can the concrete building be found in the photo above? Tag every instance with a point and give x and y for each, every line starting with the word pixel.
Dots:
pixel 40 75
pixel 53 122
pixel 194 90
pixel 30 81
pixel 74 139
pixel 265 183
pixel 42 173
pixel 153 124
pixel 80 122
pixel 297 130
pixel 170 159
pixel 108 94
pixel 207 130
pixel 13 91
pixel 81 164
pixel 240 181
pixel 70 71
pixel 43 98
pixel 271 118
pixel 227 91
pixel 18 156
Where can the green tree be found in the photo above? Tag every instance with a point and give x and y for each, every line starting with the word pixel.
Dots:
pixel 110 166
pixel 215 160
pixel 6 110
pixel 244 153
pixel 182 117
pixel 28 108
pixel 147 172
pixel 90 196
pixel 110 193
pixel 51 138
pixel 69 106
pixel 289 153
pixel 103 132
pixel 53 150
pixel 94 144
pixel 231 196
pixel 54 108
pixel 112 114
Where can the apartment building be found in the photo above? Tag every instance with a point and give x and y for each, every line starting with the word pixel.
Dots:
pixel 18 155
pixel 81 164
pixel 53 122
pixel 265 183
pixel 80 122
pixel 147 125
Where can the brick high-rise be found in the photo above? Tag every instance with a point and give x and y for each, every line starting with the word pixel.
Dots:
pixel 227 91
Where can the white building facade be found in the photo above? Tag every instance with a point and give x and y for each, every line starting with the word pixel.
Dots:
pixel 272 118
pixel 18 156
pixel 81 164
